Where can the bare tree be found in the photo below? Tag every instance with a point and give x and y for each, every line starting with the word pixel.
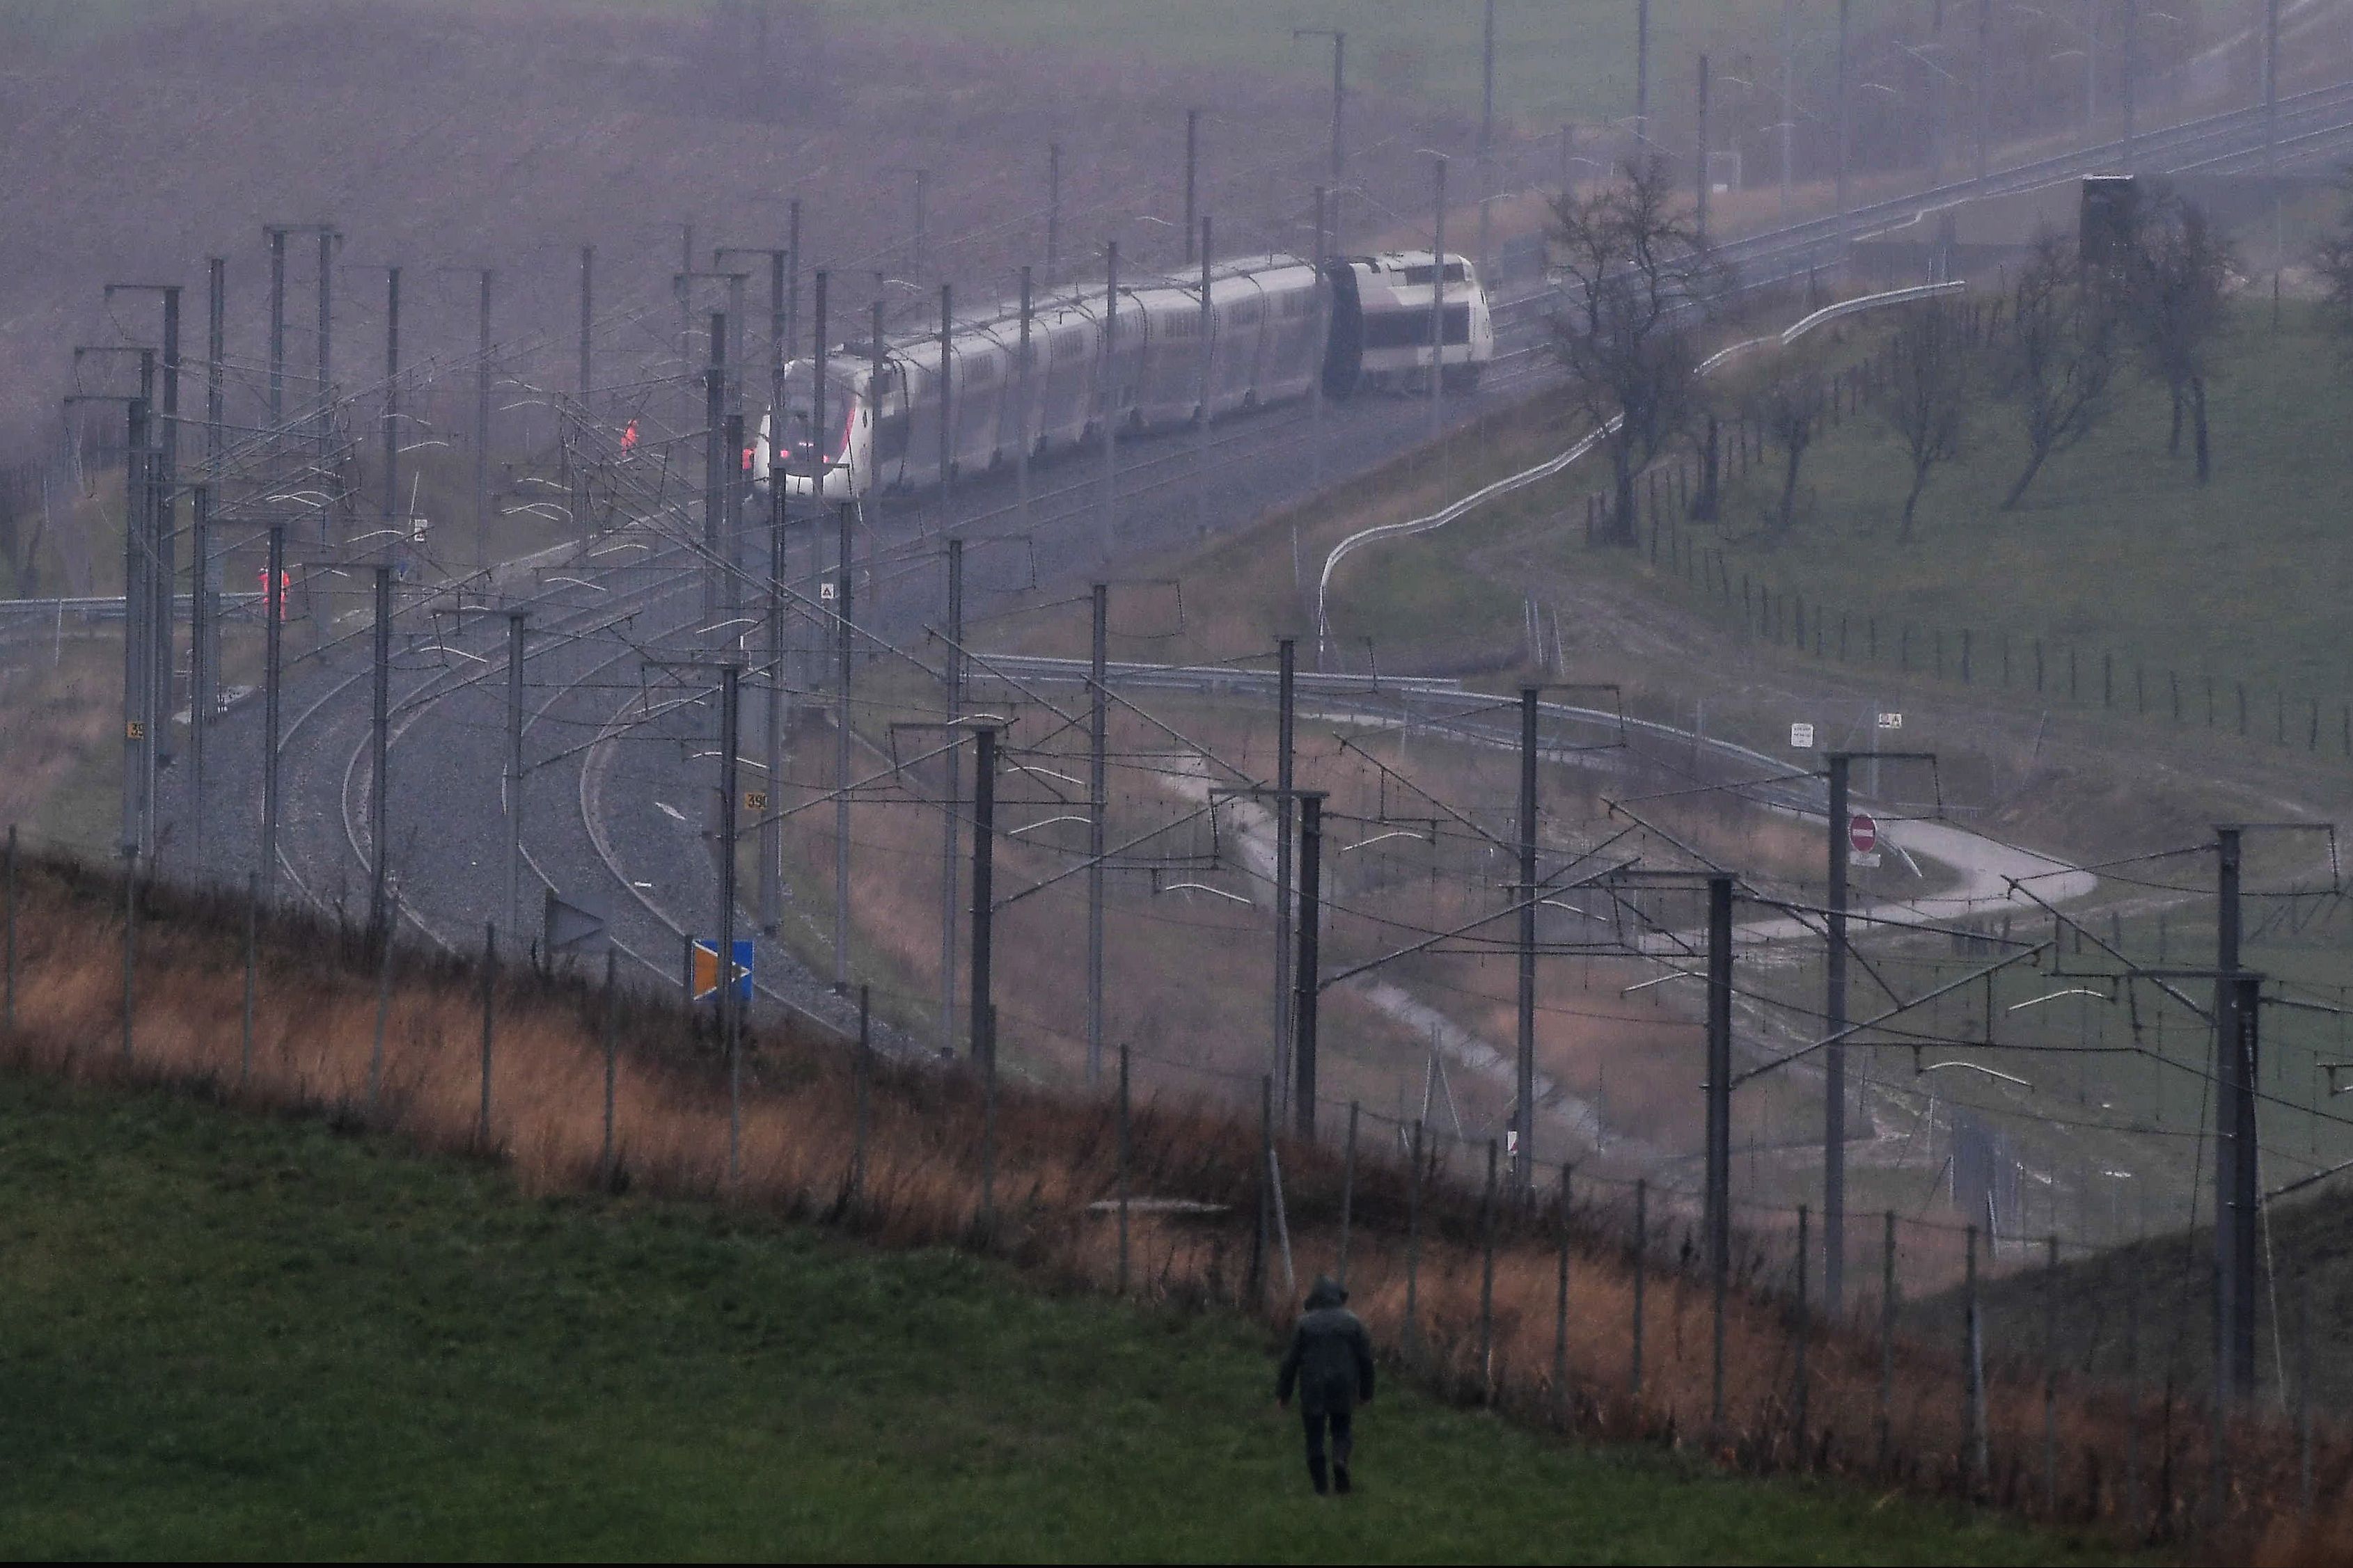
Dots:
pixel 1788 401
pixel 2176 276
pixel 1932 375
pixel 1640 284
pixel 2057 358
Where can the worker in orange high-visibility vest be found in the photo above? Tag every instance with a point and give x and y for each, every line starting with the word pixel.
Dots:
pixel 629 437
pixel 275 604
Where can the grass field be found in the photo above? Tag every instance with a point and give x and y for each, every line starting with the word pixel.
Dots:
pixel 2116 546
pixel 253 1337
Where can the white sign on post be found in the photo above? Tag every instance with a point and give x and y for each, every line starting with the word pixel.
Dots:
pixel 825 592
pixel 1890 720
pixel 1801 737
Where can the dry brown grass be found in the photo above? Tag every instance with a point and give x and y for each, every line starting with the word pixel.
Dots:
pixel 1056 1154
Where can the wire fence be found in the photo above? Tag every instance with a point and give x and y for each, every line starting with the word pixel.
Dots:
pixel 1568 1300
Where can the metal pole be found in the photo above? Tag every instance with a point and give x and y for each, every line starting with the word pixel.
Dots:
pixel 252 963
pixel 1109 406
pixel 841 731
pixel 1984 84
pixel 2229 1307
pixel 2050 1376
pixel 1438 309
pixel 793 276
pixel 776 704
pixel 716 552
pixel 947 404
pixel 164 480
pixel 1287 657
pixel 1098 806
pixel 983 849
pixel 1486 129
pixel 1805 1270
pixel 1311 923
pixel 490 1030
pixel 731 1006
pixel 482 421
pixel 1887 1339
pixel 1643 79
pixel 379 757
pixel 1201 402
pixel 1053 212
pixel 391 435
pixel 1788 66
pixel 327 238
pixel 1702 192
pixel 1834 1057
pixel 612 1070
pixel 951 792
pixel 1487 1281
pixel 1523 1099
pixel 136 670
pixel 1192 171
pixel 273 670
pixel 1845 124
pixel 1641 1261
pixel 277 326
pixel 1973 1368
pixel 1339 115
pixel 1412 1242
pixel 8 1020
pixel 1124 1157
pixel 1560 1308
pixel 130 947
pixel 2131 87
pixel 1024 440
pixel 1347 1192
pixel 587 320
pixel 383 1010
pixel 1314 385
pixel 1719 1122
pixel 517 622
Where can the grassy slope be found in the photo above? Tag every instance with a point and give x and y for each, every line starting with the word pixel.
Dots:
pixel 256 1338
pixel 2114 547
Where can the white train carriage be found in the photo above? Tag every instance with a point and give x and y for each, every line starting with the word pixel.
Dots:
pixel 1381 323
pixel 1266 326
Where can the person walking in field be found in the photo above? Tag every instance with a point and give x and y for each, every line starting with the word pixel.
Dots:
pixel 1330 1366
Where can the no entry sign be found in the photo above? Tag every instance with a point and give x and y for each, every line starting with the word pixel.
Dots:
pixel 1862 833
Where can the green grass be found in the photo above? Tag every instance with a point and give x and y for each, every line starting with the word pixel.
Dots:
pixel 239 1336
pixel 2116 547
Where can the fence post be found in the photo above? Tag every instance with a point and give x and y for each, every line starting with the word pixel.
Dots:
pixel 252 959
pixel 612 1069
pixel 383 1009
pixel 2050 1376
pixel 1805 1258
pixel 988 1136
pixel 490 1029
pixel 2304 1398
pixel 1125 1155
pixel 11 1017
pixel 1887 1342
pixel 1347 1192
pixel 1410 1339
pixel 129 946
pixel 2132 1408
pixel 1487 1282
pixel 1972 1372
pixel 1259 1234
pixel 1641 1269
pixel 1560 1311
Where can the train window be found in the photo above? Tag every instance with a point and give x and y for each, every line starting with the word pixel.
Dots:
pixel 1455 273
pixel 1410 329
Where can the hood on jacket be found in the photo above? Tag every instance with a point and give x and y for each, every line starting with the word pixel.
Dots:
pixel 1326 1293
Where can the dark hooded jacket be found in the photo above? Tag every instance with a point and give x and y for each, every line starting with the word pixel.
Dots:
pixel 1330 1362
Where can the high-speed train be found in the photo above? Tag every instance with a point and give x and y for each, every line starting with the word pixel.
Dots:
pixel 1273 330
